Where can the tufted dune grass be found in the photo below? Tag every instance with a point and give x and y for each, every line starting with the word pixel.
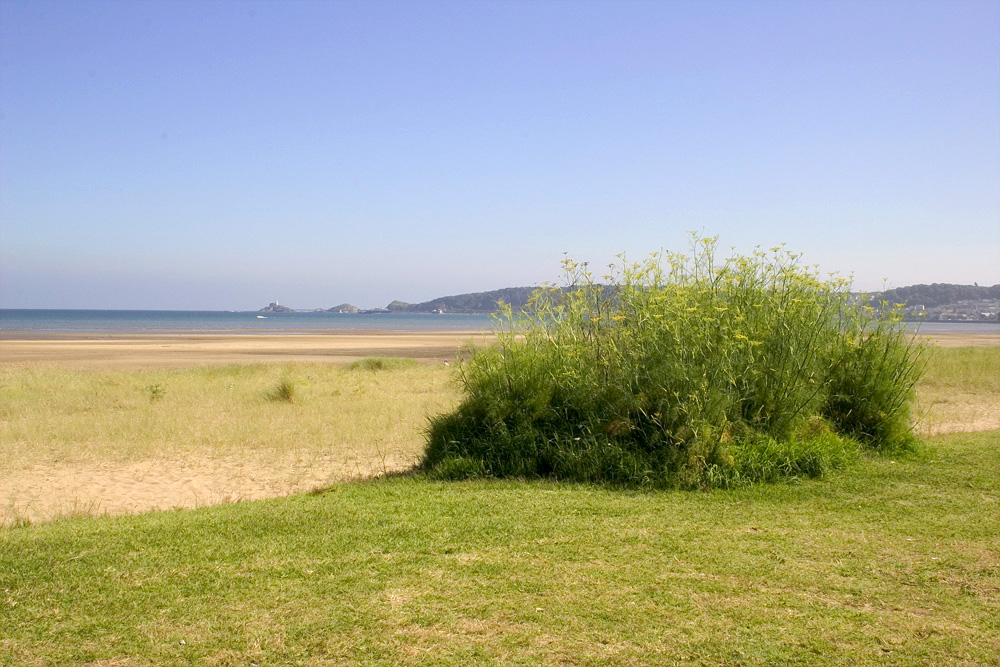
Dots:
pixel 961 386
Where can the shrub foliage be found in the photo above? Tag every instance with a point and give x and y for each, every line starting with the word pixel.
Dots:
pixel 681 370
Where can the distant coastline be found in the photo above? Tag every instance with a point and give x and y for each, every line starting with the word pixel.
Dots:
pixel 473 303
pixel 938 302
pixel 946 305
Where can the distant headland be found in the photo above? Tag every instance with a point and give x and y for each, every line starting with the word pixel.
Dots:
pixel 938 302
pixel 477 303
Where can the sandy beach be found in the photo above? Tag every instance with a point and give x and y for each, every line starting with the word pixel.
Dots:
pixel 48 489
pixel 964 339
pixel 125 352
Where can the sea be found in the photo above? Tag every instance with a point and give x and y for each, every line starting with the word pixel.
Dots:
pixel 931 328
pixel 89 322
pixel 136 322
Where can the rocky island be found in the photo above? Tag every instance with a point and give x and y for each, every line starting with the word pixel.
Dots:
pixel 275 307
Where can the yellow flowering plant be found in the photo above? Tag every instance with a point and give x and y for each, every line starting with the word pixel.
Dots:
pixel 682 370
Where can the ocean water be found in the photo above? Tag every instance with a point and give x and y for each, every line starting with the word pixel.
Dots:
pixel 39 322
pixel 45 322
pixel 931 328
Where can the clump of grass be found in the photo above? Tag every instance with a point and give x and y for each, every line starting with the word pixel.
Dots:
pixel 283 391
pixel 683 371
pixel 156 391
pixel 381 363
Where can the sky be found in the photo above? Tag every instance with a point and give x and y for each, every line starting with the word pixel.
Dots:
pixel 220 155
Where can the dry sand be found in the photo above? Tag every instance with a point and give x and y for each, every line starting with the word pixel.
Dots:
pixel 964 339
pixel 44 492
pixel 125 352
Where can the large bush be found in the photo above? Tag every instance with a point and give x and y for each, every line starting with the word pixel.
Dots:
pixel 679 370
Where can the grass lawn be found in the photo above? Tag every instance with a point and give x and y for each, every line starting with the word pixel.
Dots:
pixel 893 562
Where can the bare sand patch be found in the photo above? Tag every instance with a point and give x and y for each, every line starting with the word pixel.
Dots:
pixel 45 492
pixel 963 339
pixel 120 352
pixel 955 411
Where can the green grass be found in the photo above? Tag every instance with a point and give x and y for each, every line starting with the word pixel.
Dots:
pixel 894 562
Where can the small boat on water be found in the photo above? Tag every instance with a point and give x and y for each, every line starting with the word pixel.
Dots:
pixel 261 317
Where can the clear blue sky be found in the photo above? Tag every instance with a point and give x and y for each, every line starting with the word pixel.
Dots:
pixel 221 155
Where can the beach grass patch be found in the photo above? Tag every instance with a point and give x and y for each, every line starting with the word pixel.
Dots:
pixel 283 391
pixel 50 414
